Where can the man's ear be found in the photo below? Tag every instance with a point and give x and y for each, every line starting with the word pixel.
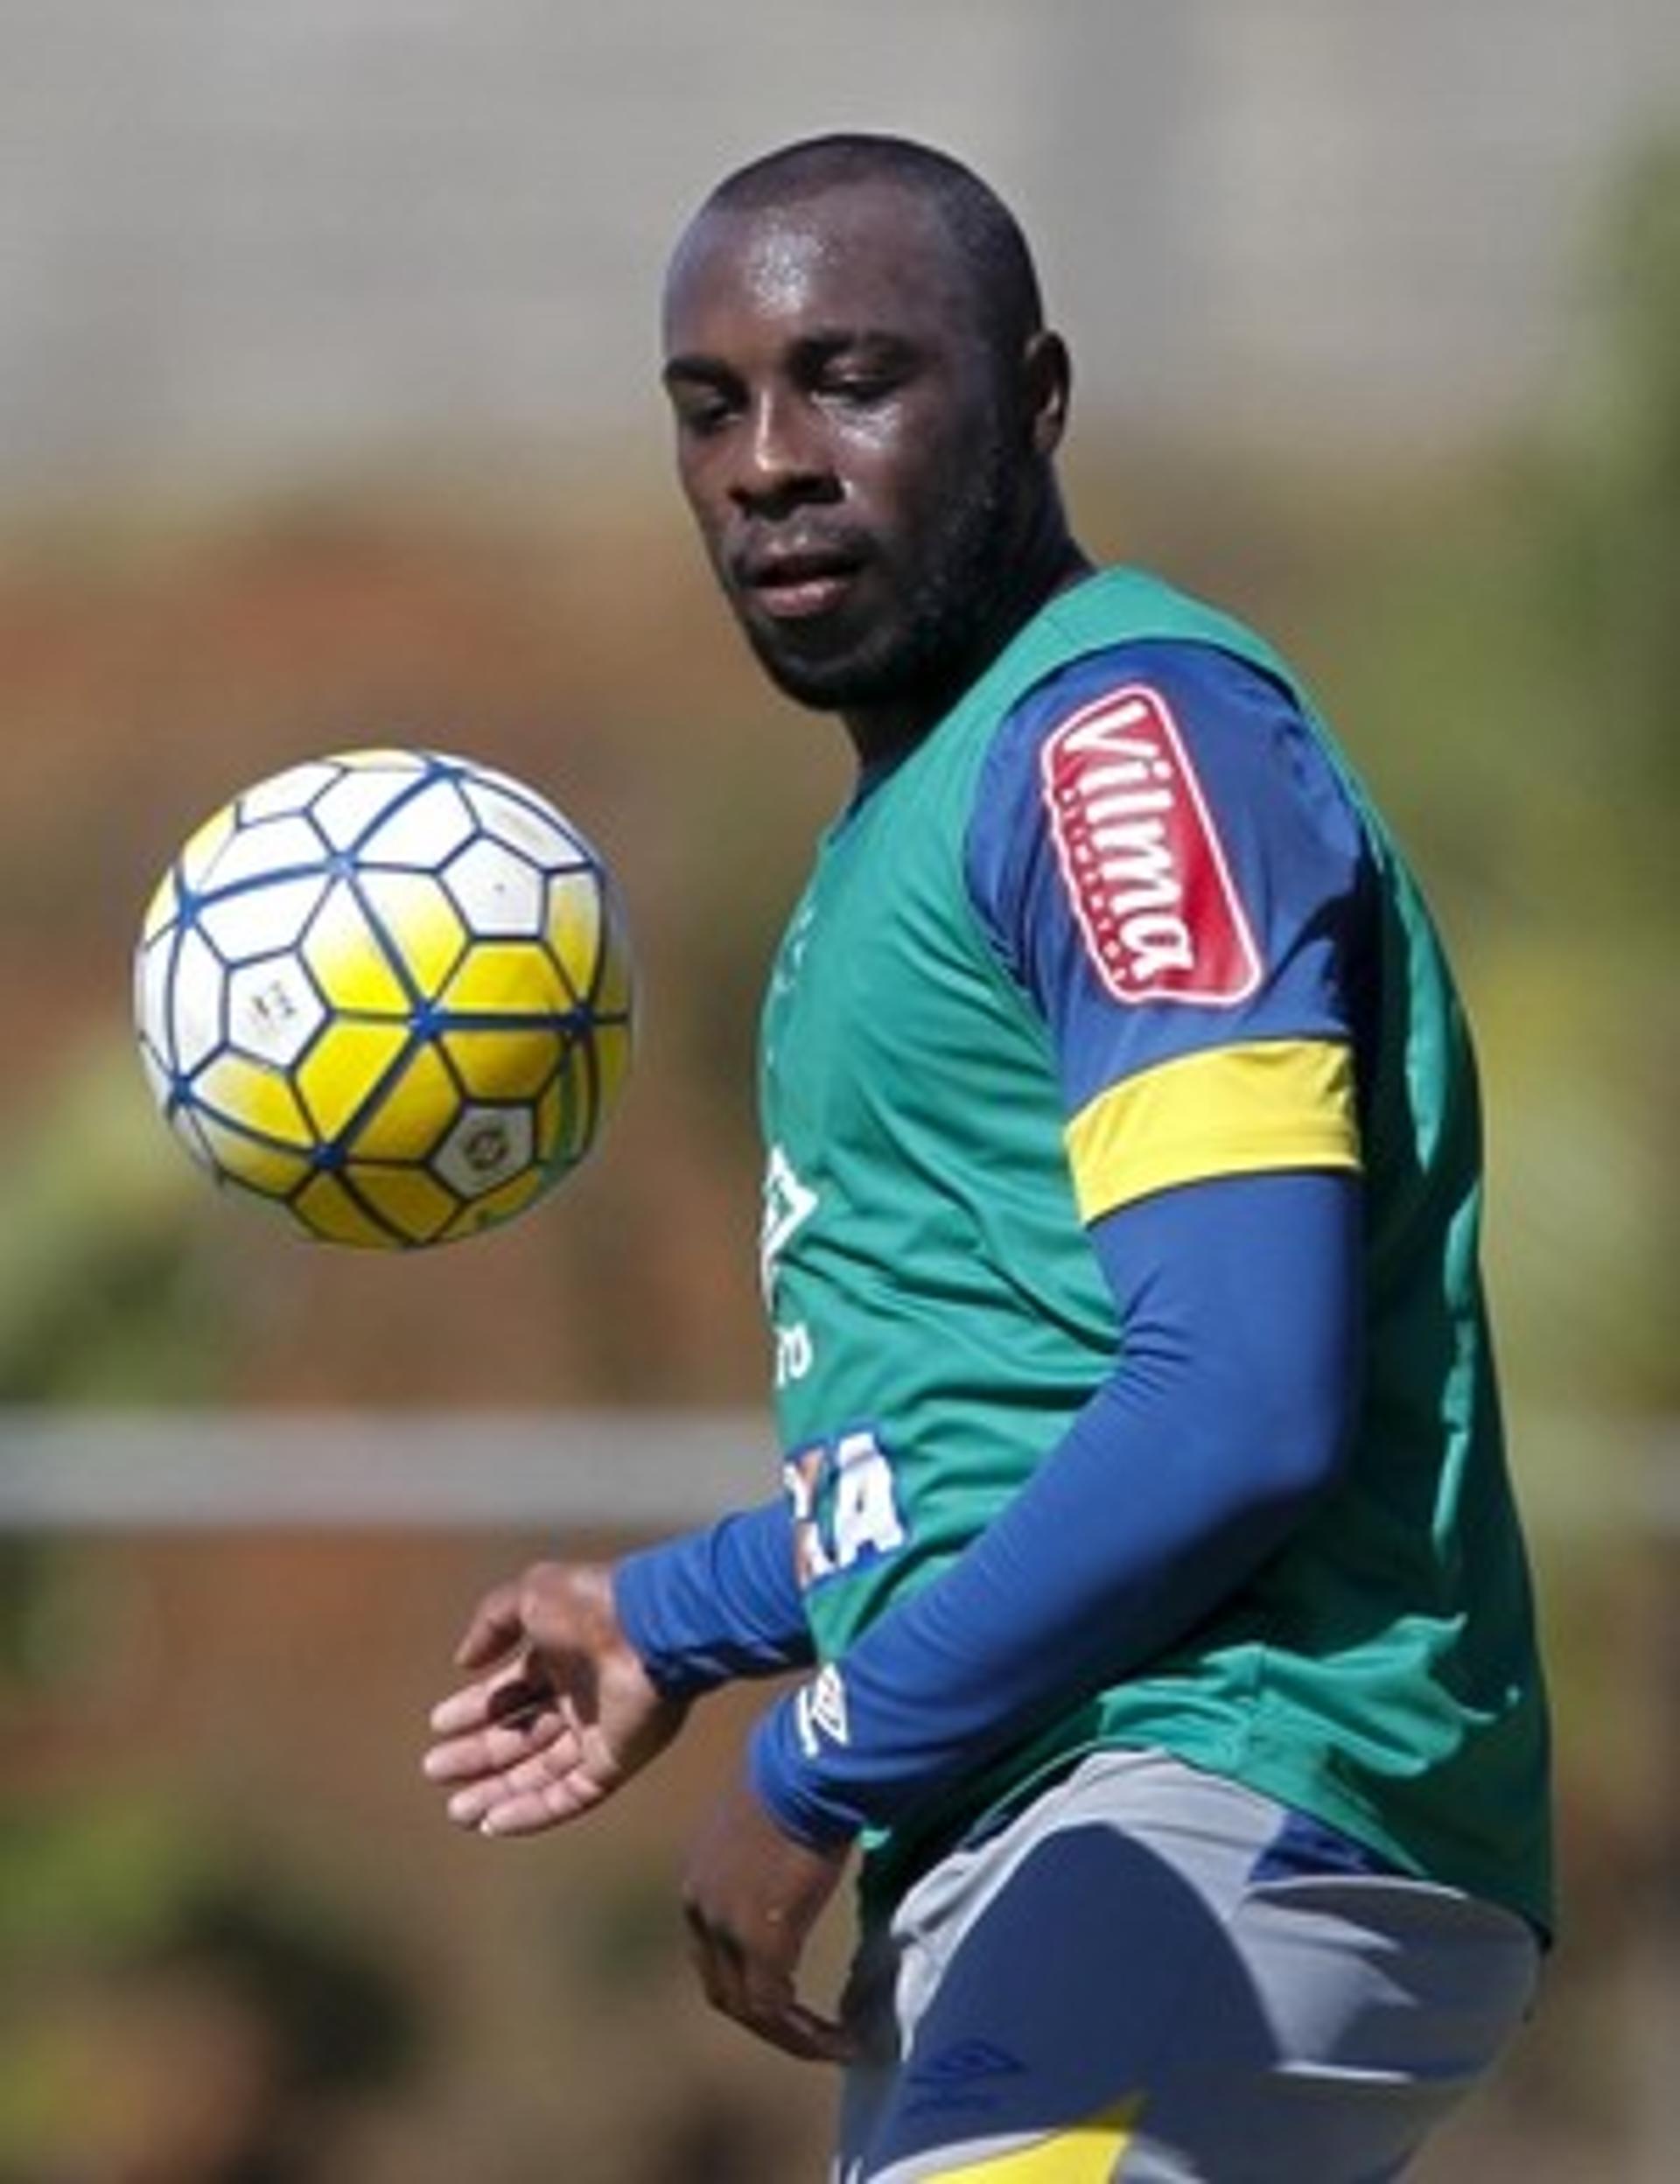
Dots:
pixel 1046 387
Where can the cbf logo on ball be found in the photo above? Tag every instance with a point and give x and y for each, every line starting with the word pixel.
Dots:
pixel 1143 865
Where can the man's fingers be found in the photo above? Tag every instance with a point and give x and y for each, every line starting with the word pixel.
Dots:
pixel 496 1749
pixel 496 1625
pixel 761 1996
pixel 516 1782
pixel 533 1810
pixel 511 1698
pixel 801 2032
pixel 463 1711
pixel 778 2017
pixel 784 2021
pixel 527 1799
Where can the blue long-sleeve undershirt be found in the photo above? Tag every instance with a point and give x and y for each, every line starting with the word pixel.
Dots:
pixel 715 1605
pixel 1226 1416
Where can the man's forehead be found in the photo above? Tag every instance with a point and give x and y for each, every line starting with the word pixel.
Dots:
pixel 870 243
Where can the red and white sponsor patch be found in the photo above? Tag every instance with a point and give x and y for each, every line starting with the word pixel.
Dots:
pixel 1145 872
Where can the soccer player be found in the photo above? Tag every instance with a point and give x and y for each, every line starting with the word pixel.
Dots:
pixel 1146 1551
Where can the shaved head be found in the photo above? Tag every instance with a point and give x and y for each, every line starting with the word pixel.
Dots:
pixel 985 237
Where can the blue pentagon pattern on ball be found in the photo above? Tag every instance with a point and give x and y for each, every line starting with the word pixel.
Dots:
pixel 389 992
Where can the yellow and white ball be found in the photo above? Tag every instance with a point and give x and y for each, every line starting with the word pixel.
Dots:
pixel 390 991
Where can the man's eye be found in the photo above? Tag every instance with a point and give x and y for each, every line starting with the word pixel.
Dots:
pixel 859 387
pixel 703 412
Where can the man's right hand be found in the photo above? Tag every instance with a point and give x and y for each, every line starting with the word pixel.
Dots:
pixel 560 1711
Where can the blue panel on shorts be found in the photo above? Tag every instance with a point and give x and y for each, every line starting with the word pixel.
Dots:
pixel 1303 1846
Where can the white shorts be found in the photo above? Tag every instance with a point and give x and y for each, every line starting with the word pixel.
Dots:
pixel 1127 1982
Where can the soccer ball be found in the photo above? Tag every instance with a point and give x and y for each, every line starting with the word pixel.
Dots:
pixel 389 992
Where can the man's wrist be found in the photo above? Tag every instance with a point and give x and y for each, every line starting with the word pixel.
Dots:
pixel 636 1592
pixel 783 1766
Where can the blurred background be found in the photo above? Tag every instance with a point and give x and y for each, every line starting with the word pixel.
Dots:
pixel 328 416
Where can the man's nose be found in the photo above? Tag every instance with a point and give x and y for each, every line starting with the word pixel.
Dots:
pixel 783 458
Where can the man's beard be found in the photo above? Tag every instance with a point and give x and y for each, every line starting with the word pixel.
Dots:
pixel 925 650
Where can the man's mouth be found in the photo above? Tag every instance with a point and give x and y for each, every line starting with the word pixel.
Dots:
pixel 798 584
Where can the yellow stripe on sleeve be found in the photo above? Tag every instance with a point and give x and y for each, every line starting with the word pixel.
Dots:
pixel 1229 1110
pixel 1087 2154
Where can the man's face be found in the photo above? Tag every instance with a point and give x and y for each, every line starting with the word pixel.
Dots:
pixel 842 440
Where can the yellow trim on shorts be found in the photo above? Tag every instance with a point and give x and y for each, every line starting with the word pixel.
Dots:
pixel 1228 1110
pixel 1087 2154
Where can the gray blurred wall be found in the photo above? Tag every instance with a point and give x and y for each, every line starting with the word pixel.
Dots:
pixel 239 240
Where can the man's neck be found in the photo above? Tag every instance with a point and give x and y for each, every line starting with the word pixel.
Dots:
pixel 884 732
